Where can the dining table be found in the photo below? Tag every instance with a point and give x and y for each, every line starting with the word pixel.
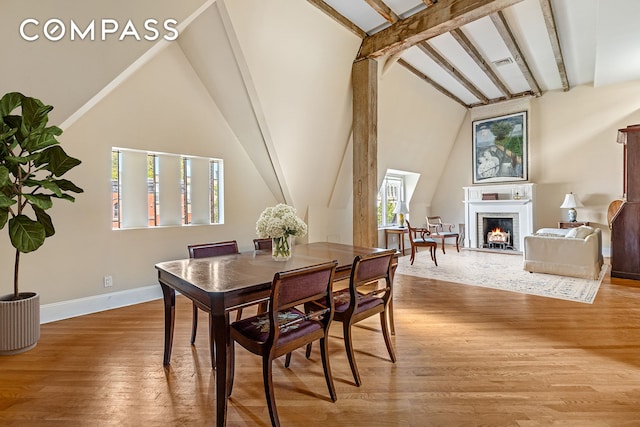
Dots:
pixel 218 285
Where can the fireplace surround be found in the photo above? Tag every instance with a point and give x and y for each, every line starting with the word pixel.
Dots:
pixel 513 201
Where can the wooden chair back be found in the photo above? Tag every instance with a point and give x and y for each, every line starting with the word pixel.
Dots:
pixel 262 244
pixel 204 250
pixel 417 234
pixel 368 270
pixel 435 225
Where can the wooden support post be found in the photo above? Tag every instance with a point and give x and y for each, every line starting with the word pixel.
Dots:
pixel 365 152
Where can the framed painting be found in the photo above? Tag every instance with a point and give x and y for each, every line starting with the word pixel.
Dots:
pixel 500 149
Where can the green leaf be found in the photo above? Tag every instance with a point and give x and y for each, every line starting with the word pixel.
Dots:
pixel 17 160
pixel 46 184
pixel 41 138
pixel 67 197
pixel 45 220
pixel 9 132
pixel 34 115
pixel 4 176
pixel 40 200
pixel 5 201
pixel 4 216
pixel 26 235
pixel 66 185
pixel 10 102
pixel 59 162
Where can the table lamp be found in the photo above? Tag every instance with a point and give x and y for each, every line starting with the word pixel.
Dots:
pixel 571 202
pixel 401 209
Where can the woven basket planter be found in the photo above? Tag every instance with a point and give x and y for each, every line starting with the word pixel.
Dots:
pixel 19 323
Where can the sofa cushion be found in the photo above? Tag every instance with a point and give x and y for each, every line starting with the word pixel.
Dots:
pixel 580 232
pixel 552 232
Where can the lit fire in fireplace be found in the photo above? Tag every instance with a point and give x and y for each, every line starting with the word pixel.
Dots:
pixel 497 235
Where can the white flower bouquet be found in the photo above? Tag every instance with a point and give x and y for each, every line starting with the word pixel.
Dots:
pixel 280 223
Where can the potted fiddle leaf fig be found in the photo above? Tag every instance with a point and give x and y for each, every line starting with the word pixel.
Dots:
pixel 31 164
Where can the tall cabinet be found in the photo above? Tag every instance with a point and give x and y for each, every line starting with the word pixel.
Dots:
pixel 625 225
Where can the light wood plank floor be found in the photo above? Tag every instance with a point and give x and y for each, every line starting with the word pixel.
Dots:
pixel 467 356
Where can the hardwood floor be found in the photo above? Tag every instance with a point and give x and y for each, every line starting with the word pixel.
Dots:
pixel 467 356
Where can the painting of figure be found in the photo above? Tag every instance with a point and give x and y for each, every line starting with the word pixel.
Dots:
pixel 500 149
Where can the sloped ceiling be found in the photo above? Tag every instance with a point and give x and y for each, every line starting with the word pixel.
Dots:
pixel 228 81
pixel 73 72
pixel 527 48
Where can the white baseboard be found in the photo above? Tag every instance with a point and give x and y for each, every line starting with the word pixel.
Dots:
pixel 81 306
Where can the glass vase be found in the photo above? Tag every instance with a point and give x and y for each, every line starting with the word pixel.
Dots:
pixel 281 248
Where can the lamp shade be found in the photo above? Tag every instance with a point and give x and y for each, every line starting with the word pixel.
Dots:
pixel 401 208
pixel 570 202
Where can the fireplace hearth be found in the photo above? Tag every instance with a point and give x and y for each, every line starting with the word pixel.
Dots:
pixel 497 233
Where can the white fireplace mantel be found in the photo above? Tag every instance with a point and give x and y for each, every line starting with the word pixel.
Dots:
pixel 512 199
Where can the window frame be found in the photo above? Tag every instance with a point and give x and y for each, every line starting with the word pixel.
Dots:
pixel 211 214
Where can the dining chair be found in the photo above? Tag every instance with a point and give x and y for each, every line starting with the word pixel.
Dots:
pixel 420 237
pixel 370 292
pixel 205 250
pixel 442 231
pixel 262 244
pixel 284 327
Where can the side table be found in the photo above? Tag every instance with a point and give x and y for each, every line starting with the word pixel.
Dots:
pixel 400 231
pixel 574 224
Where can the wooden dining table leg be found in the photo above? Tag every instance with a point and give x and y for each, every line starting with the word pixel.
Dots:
pixel 169 296
pixel 220 336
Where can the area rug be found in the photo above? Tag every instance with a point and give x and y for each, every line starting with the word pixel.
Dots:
pixel 500 271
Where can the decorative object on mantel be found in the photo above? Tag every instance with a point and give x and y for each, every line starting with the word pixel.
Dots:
pixel 571 202
pixel 31 164
pixel 401 210
pixel 500 149
pixel 281 224
pixel 489 196
pixel 517 193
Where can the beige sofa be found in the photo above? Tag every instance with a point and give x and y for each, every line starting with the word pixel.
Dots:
pixel 575 252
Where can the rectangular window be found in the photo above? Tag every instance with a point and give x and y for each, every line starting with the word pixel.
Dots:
pixel 151 189
pixel 215 177
pixel 115 189
pixel 186 190
pixel 390 194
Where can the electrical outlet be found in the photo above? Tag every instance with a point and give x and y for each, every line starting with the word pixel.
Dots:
pixel 107 281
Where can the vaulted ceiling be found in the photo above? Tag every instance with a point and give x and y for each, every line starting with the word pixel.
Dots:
pixel 480 52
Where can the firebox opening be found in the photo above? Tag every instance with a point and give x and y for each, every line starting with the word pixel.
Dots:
pixel 497 233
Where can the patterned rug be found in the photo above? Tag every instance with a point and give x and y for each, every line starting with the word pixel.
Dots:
pixel 500 271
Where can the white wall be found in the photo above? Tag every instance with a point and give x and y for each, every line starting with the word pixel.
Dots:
pixel 161 107
pixel 68 73
pixel 417 129
pixel 572 148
